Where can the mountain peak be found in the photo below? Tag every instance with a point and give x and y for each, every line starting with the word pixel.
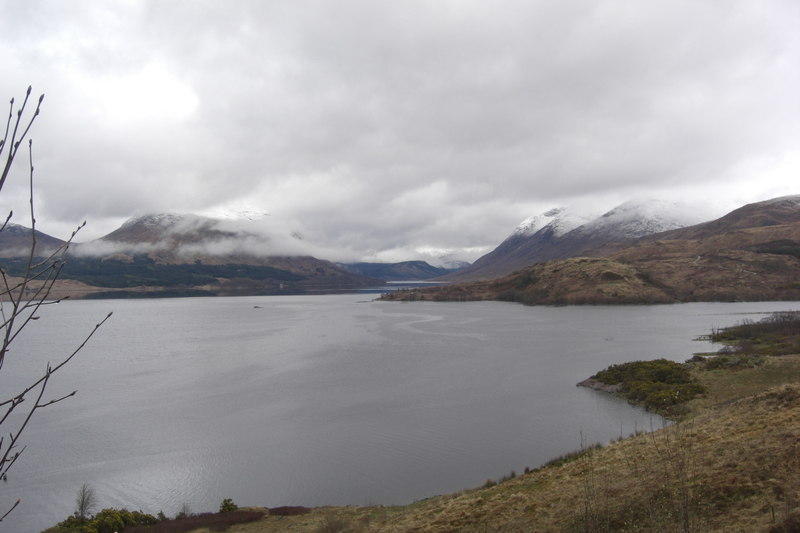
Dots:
pixel 559 220
pixel 560 233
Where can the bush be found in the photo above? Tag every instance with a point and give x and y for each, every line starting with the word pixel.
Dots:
pixel 227 506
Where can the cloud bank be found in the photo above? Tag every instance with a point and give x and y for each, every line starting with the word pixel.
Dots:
pixel 385 129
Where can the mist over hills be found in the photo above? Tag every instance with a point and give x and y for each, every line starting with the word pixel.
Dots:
pixel 182 255
pixel 170 254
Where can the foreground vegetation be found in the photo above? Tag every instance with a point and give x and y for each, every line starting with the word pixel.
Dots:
pixel 118 520
pixel 731 464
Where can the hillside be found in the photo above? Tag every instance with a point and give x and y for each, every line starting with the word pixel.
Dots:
pixel 752 253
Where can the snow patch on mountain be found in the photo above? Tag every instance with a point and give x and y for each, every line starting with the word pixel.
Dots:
pixel 637 218
pixel 787 200
pixel 560 220
pixel 162 220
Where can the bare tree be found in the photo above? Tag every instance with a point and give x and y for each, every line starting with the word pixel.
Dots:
pixel 22 298
pixel 85 501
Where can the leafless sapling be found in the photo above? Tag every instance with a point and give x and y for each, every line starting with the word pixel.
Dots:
pixel 22 298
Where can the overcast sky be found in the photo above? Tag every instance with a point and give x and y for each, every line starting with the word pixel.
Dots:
pixel 390 129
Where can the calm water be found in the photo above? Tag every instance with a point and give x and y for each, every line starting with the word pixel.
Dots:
pixel 312 400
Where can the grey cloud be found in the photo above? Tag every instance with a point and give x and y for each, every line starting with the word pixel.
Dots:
pixel 328 114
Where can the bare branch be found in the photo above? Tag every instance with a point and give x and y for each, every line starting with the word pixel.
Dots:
pixel 8 218
pixel 56 400
pixel 15 436
pixel 66 360
pixel 22 297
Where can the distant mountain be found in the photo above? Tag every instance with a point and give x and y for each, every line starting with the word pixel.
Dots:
pixel 172 255
pixel 404 271
pixel 561 233
pixel 750 254
pixel 15 240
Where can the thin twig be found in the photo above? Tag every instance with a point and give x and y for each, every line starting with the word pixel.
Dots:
pixel 9 511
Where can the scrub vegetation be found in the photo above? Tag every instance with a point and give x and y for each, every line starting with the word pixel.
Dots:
pixel 659 385
pixel 119 520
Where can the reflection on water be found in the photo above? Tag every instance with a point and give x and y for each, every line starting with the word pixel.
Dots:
pixel 312 400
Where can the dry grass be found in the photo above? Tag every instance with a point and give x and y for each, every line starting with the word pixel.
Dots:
pixel 724 386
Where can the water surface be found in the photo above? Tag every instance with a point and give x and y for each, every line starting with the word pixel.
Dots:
pixel 314 400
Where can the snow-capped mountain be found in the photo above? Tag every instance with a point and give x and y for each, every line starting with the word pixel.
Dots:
pixel 165 230
pixel 749 254
pixel 560 233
